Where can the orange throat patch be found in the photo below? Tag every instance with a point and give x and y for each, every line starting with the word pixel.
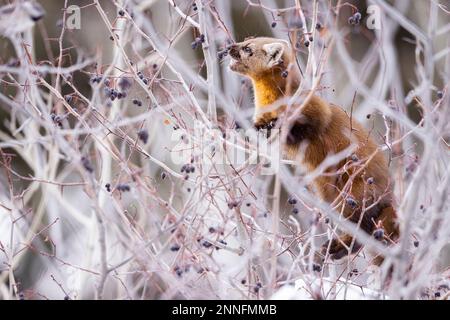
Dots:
pixel 267 91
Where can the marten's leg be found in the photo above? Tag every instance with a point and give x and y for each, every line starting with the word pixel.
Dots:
pixel 339 248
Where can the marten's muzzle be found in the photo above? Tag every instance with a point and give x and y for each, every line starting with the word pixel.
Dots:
pixel 233 51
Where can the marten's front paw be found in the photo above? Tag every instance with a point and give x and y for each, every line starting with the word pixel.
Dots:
pixel 266 121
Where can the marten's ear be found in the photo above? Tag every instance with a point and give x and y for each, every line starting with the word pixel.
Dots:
pixel 274 51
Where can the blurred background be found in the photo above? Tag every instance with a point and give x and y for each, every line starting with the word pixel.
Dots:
pixel 97 197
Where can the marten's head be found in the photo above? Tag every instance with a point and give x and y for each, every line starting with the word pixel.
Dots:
pixel 258 56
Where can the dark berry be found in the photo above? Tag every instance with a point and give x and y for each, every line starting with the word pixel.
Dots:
pixel 143 135
pixel 222 54
pixel 316 267
pixel 370 180
pixel 175 247
pixel 121 13
pixel 378 234
pixel 124 84
pixel 87 164
pixel 351 202
pixel 211 230
pixel 368 116
pixel 295 211
pixel 416 243
pixel 108 187
pixel 178 271
pixel 440 94
pixel 232 204
pixel 357 17
pixel 274 24
pixel 292 200
pixel 163 175
pixel 284 74
pixel 306 43
pixel 243 281
pixel 318 26
pixel 68 98
pixel 123 187
pixel 206 244
pixel 351 20
pixel 113 94
pixel 354 158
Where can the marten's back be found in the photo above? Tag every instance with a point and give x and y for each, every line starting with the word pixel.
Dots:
pixel 362 176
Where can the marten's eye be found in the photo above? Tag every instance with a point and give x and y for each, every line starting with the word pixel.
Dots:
pixel 247 50
pixel 273 55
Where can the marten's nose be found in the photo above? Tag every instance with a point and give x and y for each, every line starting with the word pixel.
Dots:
pixel 233 50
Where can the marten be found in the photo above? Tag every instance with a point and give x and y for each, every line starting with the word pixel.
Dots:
pixel 358 186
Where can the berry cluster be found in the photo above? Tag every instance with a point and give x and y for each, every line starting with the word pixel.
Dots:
pixel 141 76
pixel 221 54
pixel 355 19
pixel 233 204
pixel 137 102
pixel 114 94
pixel 123 187
pixel 293 201
pixel 57 119
pixel 188 168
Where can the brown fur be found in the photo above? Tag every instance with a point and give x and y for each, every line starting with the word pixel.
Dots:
pixel 324 130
